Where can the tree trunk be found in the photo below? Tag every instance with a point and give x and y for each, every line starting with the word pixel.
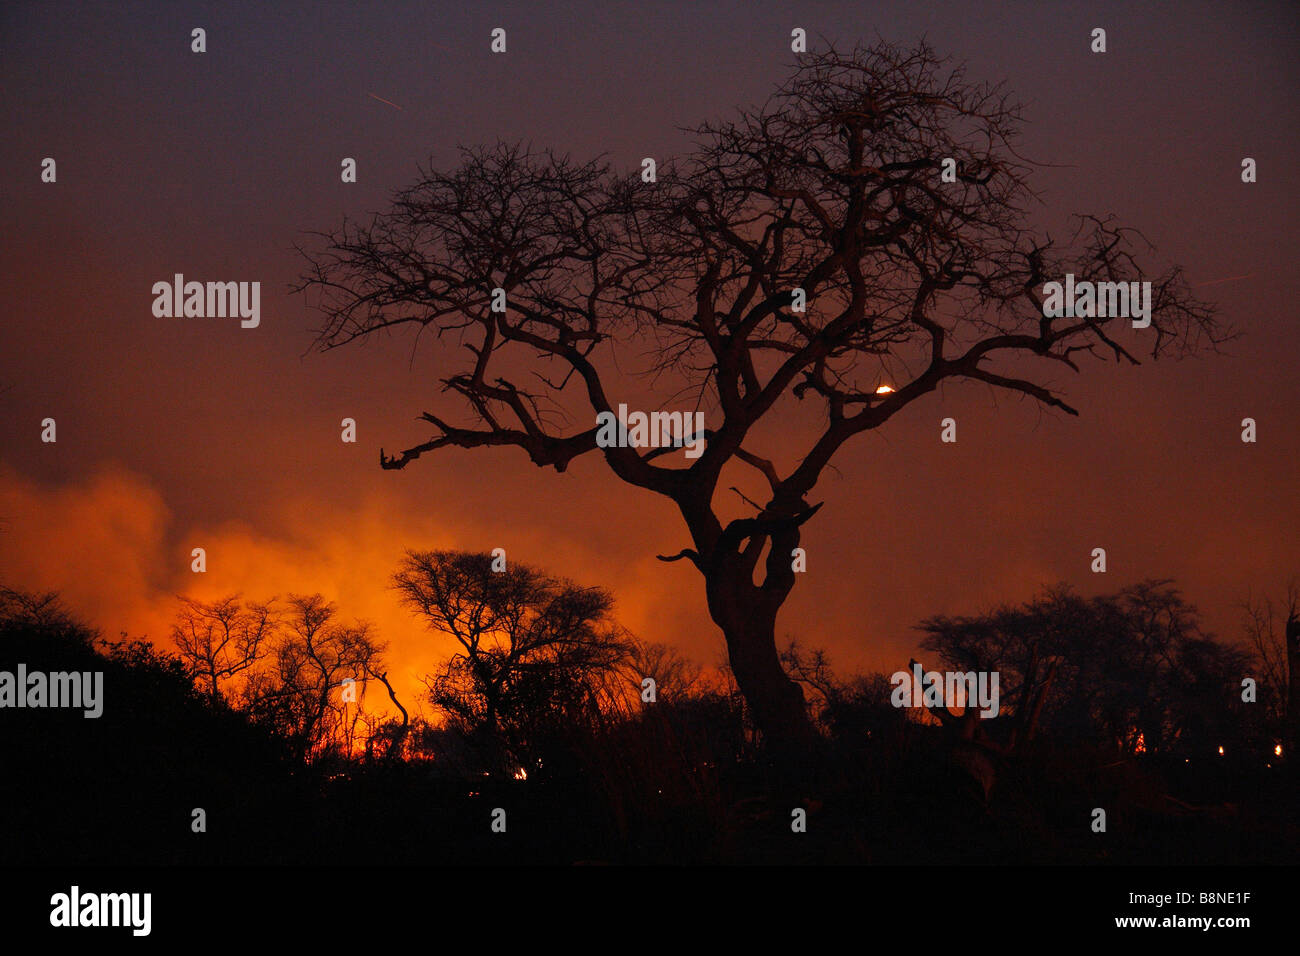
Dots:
pixel 746 613
pixel 776 703
pixel 399 736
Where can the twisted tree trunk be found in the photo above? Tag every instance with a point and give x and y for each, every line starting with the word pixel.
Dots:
pixel 775 701
pixel 747 613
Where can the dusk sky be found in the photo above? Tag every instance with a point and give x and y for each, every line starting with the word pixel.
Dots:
pixel 175 433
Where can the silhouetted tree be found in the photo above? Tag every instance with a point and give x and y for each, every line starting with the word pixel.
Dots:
pixel 812 669
pixel 221 638
pixel 389 732
pixel 855 708
pixel 41 613
pixel 676 676
pixel 536 653
pixel 1273 630
pixel 313 657
pixel 834 188
pixel 1128 667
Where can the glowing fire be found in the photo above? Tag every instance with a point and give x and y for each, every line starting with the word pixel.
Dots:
pixel 1220 751
pixel 1140 745
pixel 1277 750
pixel 884 390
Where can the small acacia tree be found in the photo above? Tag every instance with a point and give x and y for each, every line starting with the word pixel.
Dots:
pixel 536 653
pixel 834 187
